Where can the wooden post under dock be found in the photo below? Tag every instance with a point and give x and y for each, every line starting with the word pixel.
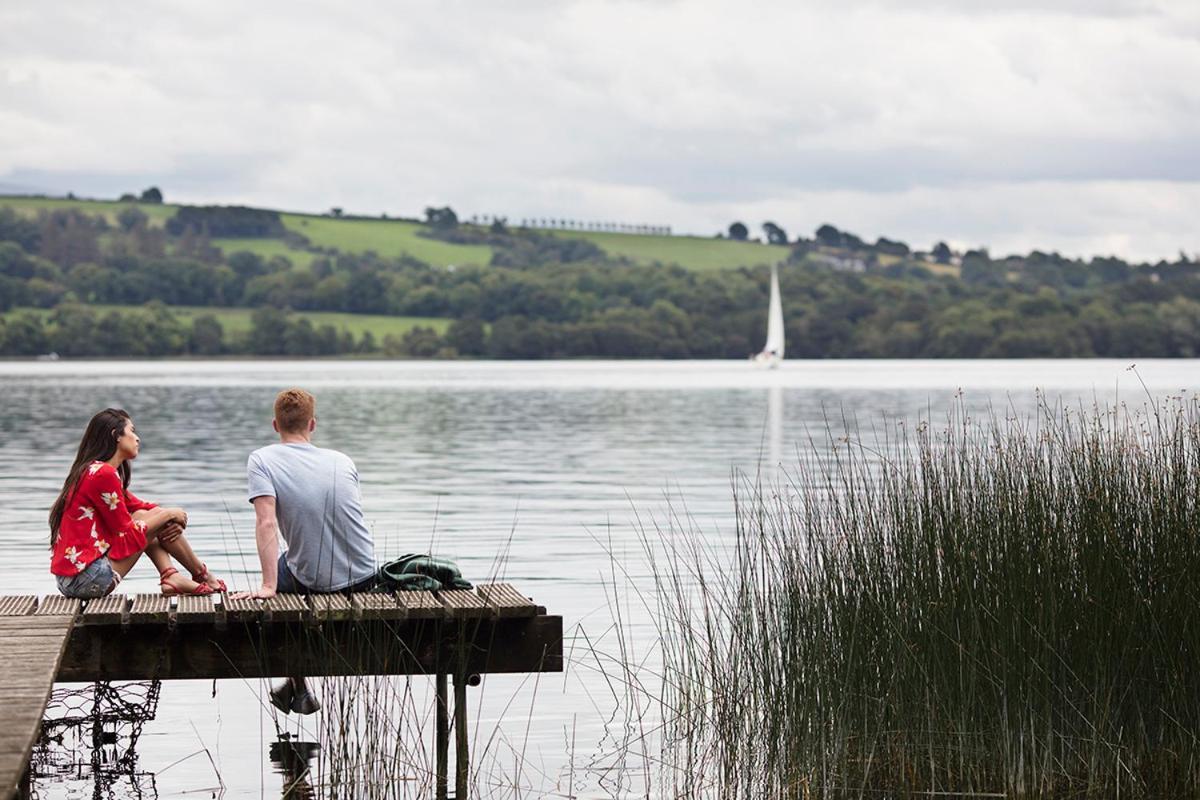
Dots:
pixel 453 634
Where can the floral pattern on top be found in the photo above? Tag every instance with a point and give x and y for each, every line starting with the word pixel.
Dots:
pixel 98 522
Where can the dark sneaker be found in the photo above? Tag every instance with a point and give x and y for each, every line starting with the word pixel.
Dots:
pixel 282 697
pixel 305 703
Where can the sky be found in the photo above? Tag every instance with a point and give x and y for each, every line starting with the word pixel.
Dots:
pixel 1068 125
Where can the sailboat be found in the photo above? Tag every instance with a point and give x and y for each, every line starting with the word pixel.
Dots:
pixel 772 352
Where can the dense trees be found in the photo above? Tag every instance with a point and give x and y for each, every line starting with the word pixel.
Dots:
pixel 774 233
pixel 441 217
pixel 547 296
pixel 225 221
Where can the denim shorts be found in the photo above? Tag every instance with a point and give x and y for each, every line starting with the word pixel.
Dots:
pixel 96 580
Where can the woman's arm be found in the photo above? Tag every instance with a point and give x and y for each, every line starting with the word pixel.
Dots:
pixel 114 529
pixel 157 520
pixel 166 532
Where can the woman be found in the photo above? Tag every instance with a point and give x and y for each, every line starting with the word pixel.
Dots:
pixel 98 529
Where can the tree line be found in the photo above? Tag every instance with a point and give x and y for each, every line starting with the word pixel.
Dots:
pixel 547 296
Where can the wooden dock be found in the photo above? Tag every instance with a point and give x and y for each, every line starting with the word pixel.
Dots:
pixel 453 636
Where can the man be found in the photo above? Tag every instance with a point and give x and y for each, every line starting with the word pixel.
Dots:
pixel 309 496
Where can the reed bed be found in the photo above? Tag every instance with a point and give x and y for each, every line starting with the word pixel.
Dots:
pixel 994 607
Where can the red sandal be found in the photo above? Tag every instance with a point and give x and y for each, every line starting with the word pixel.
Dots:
pixel 169 591
pixel 202 577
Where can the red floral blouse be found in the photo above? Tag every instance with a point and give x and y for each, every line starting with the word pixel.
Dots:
pixel 97 522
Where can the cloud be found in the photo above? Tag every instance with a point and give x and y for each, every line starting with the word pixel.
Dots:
pixel 671 112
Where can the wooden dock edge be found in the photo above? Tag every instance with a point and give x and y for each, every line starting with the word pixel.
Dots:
pixel 31 652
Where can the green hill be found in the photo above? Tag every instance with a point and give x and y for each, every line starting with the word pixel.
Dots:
pixel 95 290
pixel 159 213
pixel 237 321
pixel 693 252
pixel 394 238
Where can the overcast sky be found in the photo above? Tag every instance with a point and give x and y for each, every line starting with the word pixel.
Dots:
pixel 1057 124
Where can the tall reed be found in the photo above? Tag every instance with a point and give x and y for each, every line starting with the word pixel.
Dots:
pixel 985 608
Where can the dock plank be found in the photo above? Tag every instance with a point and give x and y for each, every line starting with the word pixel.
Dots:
pixel 245 609
pixel 463 604
pixel 377 605
pixel 110 610
pixel 331 607
pixel 17 605
pixel 195 609
pixel 421 605
pixel 506 602
pixel 34 648
pixel 55 605
pixel 286 608
pixel 149 609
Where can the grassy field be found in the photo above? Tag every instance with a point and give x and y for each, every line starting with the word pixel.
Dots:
pixel 942 269
pixel 158 213
pixel 266 248
pixel 390 238
pixel 237 320
pixel 693 252
pixel 394 238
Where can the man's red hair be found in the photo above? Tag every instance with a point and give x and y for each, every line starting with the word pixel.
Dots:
pixel 293 410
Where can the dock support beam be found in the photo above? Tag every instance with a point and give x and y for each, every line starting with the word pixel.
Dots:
pixel 443 737
pixel 462 760
pixel 462 757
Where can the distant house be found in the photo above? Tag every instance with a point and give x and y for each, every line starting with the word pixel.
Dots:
pixel 838 261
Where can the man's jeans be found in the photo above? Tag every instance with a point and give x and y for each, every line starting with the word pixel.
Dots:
pixel 287 583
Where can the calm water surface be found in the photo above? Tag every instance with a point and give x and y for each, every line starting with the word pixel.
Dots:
pixel 533 472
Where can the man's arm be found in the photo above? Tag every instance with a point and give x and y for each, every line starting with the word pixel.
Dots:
pixel 266 536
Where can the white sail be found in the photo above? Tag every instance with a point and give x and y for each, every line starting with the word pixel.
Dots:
pixel 774 344
pixel 772 352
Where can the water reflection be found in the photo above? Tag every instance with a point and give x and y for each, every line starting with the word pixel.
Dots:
pixel 292 759
pixel 88 742
pixel 88 747
pixel 774 431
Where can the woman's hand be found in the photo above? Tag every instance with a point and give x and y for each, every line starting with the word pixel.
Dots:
pixel 171 531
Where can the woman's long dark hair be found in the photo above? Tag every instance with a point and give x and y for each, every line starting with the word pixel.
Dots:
pixel 98 444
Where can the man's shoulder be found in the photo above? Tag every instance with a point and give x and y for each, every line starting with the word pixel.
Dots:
pixel 335 455
pixel 264 453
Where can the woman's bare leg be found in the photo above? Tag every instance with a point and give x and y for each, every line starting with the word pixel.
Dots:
pixel 182 550
pixel 178 547
pixel 159 556
pixel 122 566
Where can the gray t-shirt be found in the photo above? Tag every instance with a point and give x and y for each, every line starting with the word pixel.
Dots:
pixel 319 508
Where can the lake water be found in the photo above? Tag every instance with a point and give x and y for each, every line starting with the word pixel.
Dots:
pixel 539 473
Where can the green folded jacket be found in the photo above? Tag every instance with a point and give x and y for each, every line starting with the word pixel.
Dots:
pixel 415 572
